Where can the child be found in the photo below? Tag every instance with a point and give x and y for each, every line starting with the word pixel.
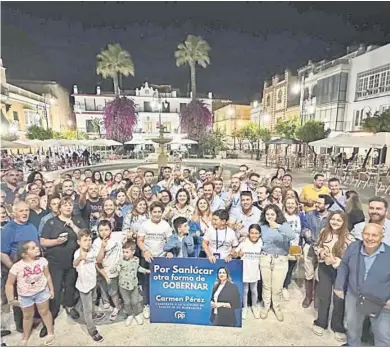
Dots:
pixel 249 251
pixel 109 253
pixel 219 241
pixel 151 239
pixel 128 283
pixel 34 287
pixel 85 264
pixel 180 244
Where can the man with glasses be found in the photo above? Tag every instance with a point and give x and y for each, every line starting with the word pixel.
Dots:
pixel 251 185
pixel 10 185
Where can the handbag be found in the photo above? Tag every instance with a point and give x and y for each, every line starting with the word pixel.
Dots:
pixel 295 250
pixel 367 304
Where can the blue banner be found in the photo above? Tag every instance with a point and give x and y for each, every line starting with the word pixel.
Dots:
pixel 195 291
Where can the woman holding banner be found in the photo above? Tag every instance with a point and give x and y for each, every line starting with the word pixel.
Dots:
pixel 225 299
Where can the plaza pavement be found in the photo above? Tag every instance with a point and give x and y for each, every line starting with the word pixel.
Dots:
pixel 296 330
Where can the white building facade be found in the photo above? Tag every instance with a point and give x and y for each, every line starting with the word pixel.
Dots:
pixel 153 103
pixel 341 92
pixel 368 86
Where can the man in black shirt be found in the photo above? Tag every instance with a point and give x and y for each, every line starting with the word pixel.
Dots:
pixel 90 204
pixel 59 236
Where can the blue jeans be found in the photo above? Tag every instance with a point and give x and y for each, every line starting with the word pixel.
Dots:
pixel 354 321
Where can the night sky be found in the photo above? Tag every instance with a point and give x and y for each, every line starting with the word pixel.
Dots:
pixel 250 41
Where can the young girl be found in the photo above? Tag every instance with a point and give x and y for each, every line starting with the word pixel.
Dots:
pixel 34 287
pixel 332 242
pixel 249 251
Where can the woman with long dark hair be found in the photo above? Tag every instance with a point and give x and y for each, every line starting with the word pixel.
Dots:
pixel 276 234
pixel 108 179
pixel 122 201
pixel 181 206
pixel 332 242
pixel 97 178
pixel 109 212
pixel 353 209
pixel 225 299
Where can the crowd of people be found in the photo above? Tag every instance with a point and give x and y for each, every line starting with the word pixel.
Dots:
pixel 90 238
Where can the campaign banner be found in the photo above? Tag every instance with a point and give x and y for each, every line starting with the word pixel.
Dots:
pixel 195 291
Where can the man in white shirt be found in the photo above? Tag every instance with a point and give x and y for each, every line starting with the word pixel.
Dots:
pixel 244 215
pixel 166 177
pixel 216 203
pixel 219 241
pixel 377 211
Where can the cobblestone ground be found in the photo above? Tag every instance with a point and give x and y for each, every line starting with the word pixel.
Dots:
pixel 296 330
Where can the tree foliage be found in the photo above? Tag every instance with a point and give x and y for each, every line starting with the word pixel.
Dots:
pixel 311 131
pixel 72 134
pixel 40 133
pixel 211 143
pixel 251 132
pixel 114 61
pixel 193 51
pixel 287 128
pixel 378 122
pixel 120 117
pixel 196 120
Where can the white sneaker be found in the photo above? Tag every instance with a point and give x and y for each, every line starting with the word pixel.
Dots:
pixel 319 331
pixel 139 319
pixel 278 314
pixel 256 312
pixel 341 337
pixel 114 314
pixel 129 320
pixel 264 312
pixel 285 294
pixel 146 312
pixel 244 313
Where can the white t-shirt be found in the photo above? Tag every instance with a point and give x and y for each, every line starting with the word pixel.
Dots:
pixel 295 222
pixel 86 270
pixel 113 253
pixel 251 260
pixel 226 239
pixel 155 235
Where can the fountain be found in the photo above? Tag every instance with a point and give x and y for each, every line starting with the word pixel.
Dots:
pixel 161 140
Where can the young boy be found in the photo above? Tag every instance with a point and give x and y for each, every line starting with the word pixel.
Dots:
pixel 219 241
pixel 109 253
pixel 180 244
pixel 85 264
pixel 151 239
pixel 128 283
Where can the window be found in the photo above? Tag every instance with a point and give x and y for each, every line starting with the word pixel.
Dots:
pixel 167 127
pixel 357 119
pixel 91 126
pixel 16 116
pixel 268 100
pixel 182 106
pixel 148 126
pixel 148 107
pixel 280 95
pixel 31 117
pixel 373 82
pixel 165 106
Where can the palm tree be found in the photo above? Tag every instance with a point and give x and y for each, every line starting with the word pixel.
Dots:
pixel 193 51
pixel 114 61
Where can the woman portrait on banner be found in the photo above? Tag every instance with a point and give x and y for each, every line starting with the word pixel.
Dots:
pixel 225 299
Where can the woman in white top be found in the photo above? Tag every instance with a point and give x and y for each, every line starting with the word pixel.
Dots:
pixel 290 209
pixel 225 299
pixel 135 218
